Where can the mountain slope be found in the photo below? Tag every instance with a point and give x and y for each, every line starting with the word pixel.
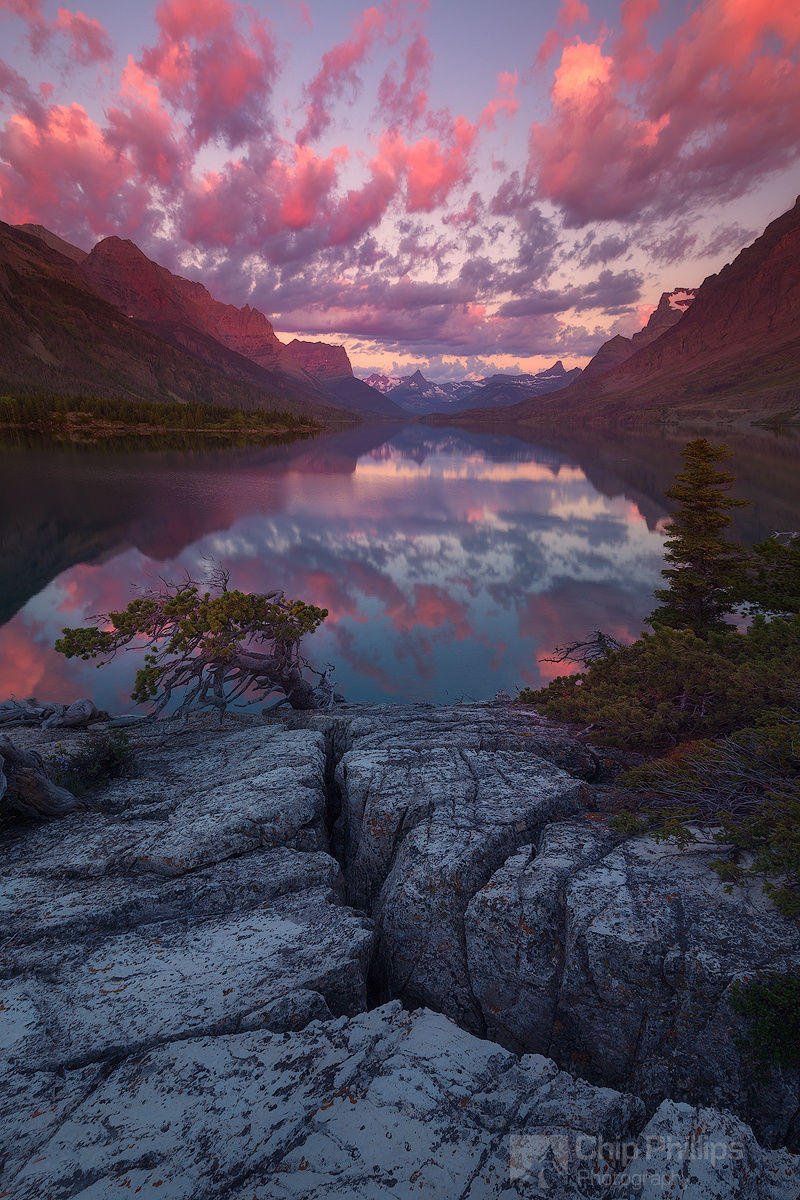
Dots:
pixel 619 349
pixel 123 274
pixel 239 341
pixel 330 365
pixel 54 241
pixel 733 356
pixel 58 335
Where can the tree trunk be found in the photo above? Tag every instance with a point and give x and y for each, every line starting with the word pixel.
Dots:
pixel 25 788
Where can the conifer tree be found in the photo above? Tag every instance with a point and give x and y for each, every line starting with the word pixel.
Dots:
pixel 705 570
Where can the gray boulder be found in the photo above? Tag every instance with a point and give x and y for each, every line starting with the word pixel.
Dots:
pixel 618 961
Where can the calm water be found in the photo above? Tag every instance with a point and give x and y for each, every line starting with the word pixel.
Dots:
pixel 450 562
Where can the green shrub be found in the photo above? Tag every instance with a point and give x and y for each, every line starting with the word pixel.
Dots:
pixel 747 787
pixel 771 583
pixel 771 1005
pixel 211 647
pixel 101 758
pixel 673 685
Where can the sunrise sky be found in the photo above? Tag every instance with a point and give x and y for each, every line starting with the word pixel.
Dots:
pixel 454 185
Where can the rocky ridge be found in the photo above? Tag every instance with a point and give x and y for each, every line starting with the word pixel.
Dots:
pixel 223 942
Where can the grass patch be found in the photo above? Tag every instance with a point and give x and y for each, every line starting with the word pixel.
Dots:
pixel 102 758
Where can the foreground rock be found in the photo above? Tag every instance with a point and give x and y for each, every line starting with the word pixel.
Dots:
pixel 619 962
pixel 185 977
pixel 387 1103
pixel 549 935
pixel 202 902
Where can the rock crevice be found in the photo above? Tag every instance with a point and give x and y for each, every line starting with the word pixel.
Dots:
pixel 198 997
pixel 499 900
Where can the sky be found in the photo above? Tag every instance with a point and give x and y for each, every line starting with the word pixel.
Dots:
pixel 446 184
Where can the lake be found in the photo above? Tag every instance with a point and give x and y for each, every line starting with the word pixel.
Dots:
pixel 451 562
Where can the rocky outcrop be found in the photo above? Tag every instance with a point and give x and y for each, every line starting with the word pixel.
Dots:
pixel 186 977
pixel 546 935
pixel 320 359
pixel 330 366
pixel 388 1103
pixel 669 310
pixel 201 901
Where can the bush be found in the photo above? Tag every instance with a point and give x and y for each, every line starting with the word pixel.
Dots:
pixel 102 757
pixel 772 1008
pixel 747 787
pixel 673 685
pixel 771 583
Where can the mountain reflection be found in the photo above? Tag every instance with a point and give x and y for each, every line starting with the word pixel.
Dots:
pixel 450 562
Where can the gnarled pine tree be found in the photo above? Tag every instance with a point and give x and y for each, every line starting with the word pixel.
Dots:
pixel 209 648
pixel 705 569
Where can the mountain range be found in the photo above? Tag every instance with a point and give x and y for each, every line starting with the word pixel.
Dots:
pixel 727 352
pixel 418 395
pixel 112 322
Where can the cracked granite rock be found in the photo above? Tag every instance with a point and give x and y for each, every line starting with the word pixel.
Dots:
pixel 184 984
pixel 618 961
pixel 547 934
pixel 199 902
pixel 387 1103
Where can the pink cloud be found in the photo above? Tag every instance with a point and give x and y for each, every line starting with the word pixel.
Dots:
pixel 305 184
pixel 338 73
pixel 504 102
pixel 403 101
pixel 571 13
pixel 432 166
pixel 707 115
pixel 29 10
pixel 60 169
pixel 144 129
pixel 89 40
pixel 216 61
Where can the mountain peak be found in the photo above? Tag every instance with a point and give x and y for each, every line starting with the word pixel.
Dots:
pixel 117 247
pixel 322 360
pixel 54 241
